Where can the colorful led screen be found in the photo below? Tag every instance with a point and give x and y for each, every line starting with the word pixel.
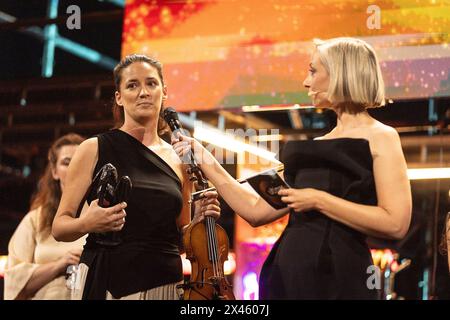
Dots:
pixel 229 53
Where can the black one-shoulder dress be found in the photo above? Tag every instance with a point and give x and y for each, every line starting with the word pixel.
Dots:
pixel 149 255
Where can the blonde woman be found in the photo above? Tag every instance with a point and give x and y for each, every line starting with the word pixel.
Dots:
pixel 348 184
pixel 37 263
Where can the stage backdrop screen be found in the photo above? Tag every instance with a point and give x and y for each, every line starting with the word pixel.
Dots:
pixel 231 53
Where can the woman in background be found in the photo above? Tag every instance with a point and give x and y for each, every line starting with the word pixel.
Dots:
pixel 37 263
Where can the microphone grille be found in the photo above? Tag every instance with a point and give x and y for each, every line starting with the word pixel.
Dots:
pixel 170 113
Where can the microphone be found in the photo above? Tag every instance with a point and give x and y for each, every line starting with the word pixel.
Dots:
pixel 171 117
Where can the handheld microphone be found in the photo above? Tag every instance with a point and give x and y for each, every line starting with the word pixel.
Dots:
pixel 171 117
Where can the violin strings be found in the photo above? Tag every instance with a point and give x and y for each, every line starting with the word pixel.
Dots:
pixel 211 248
pixel 216 249
pixel 216 246
pixel 214 242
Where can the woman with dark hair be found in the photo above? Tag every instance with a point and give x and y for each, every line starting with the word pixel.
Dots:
pixel 348 184
pixel 147 263
pixel 37 263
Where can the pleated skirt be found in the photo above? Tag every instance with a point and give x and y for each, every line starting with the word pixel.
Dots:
pixel 164 292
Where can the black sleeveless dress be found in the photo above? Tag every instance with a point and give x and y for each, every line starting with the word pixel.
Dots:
pixel 317 257
pixel 149 254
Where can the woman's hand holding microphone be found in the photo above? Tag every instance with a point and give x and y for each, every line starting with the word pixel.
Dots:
pixel 184 147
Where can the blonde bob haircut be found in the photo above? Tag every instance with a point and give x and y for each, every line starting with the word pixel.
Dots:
pixel 356 82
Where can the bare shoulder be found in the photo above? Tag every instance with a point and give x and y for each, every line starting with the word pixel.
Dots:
pixel 87 150
pixel 85 158
pixel 384 133
pixel 380 128
pixel 89 146
pixel 384 138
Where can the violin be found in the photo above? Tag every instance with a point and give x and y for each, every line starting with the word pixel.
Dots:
pixel 206 243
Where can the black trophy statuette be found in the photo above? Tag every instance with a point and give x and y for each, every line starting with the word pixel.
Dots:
pixel 110 191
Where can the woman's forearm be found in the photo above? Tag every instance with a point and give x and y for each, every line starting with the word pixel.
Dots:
pixel 234 194
pixel 370 220
pixel 40 277
pixel 245 202
pixel 78 180
pixel 66 228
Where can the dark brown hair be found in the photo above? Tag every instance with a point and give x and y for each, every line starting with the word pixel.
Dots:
pixel 48 194
pixel 118 112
